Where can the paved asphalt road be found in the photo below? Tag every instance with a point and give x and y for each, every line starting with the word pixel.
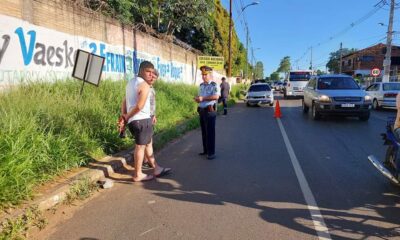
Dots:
pixel 251 190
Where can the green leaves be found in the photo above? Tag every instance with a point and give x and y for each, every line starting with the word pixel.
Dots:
pixel 284 65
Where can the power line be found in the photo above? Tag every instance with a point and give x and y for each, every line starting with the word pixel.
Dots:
pixel 376 8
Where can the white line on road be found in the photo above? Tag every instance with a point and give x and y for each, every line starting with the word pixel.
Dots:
pixel 318 220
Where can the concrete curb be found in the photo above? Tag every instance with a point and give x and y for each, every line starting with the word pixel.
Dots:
pixel 94 171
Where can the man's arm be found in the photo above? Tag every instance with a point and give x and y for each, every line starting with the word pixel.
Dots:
pixel 143 92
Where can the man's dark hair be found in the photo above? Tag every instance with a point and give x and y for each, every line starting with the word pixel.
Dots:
pixel 223 78
pixel 144 65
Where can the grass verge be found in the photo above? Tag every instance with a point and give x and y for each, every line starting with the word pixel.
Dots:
pixel 48 128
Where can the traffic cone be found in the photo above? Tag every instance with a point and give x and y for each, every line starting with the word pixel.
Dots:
pixel 278 113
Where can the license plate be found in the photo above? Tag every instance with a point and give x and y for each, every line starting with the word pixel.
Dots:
pixel 347 105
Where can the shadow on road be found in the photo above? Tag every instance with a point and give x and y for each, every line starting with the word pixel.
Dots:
pixel 261 186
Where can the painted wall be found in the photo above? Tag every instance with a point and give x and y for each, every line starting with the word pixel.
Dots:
pixel 39 40
pixel 32 52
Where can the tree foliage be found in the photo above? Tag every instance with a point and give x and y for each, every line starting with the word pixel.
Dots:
pixel 334 59
pixel 274 76
pixel 259 70
pixel 284 65
pixel 203 24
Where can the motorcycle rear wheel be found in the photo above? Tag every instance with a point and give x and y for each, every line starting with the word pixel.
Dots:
pixel 390 158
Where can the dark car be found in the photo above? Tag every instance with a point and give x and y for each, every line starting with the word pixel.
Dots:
pixel 336 95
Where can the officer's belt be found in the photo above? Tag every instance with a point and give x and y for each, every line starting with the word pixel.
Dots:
pixel 209 108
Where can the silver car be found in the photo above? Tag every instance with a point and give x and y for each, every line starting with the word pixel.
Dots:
pixel 259 94
pixel 383 94
pixel 336 95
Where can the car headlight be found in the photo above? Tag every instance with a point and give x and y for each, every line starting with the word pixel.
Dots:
pixel 367 98
pixel 324 98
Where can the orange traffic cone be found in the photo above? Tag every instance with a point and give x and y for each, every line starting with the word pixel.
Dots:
pixel 278 113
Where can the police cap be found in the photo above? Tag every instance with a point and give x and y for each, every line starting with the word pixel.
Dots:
pixel 205 69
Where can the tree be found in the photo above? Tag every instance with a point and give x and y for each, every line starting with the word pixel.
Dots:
pixel 284 65
pixel 334 58
pixel 320 72
pixel 259 70
pixel 274 76
pixel 203 24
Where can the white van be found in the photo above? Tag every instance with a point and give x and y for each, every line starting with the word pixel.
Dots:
pixel 296 81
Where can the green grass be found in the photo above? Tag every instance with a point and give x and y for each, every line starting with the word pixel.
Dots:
pixel 17 228
pixel 80 190
pixel 48 128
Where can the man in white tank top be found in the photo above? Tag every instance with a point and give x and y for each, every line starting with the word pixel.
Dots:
pixel 136 113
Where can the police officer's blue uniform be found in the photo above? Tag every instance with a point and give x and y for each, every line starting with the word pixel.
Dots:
pixel 208 114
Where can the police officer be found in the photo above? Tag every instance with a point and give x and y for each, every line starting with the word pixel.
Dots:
pixel 208 96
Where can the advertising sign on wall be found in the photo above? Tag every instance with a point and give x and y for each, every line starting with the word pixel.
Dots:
pixel 29 52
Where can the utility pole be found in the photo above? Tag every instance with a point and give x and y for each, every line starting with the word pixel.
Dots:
pixel 230 41
pixel 387 61
pixel 340 62
pixel 311 60
pixel 247 52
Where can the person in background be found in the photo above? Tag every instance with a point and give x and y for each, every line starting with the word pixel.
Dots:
pixel 225 89
pixel 207 99
pixel 135 109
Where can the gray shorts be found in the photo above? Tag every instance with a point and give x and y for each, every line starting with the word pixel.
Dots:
pixel 142 131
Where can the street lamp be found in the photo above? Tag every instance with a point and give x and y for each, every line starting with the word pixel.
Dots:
pixel 230 33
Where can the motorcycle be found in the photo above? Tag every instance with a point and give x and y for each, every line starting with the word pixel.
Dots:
pixel 390 167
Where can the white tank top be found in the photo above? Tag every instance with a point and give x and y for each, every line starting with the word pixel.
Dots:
pixel 132 99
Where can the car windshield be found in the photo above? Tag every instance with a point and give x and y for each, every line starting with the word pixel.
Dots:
pixel 299 76
pixel 337 83
pixel 391 86
pixel 259 88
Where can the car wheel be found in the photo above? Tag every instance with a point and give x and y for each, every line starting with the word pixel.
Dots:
pixel 271 104
pixel 315 114
pixel 248 104
pixel 305 108
pixel 375 105
pixel 364 117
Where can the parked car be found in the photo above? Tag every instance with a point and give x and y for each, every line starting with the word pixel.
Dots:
pixel 336 95
pixel 383 94
pixel 259 94
pixel 274 84
pixel 278 86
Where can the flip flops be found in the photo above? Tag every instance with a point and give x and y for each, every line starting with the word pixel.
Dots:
pixel 145 179
pixel 164 172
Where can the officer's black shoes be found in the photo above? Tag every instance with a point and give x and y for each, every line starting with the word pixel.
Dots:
pixel 202 153
pixel 210 157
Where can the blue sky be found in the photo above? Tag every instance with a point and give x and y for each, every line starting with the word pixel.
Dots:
pixel 289 27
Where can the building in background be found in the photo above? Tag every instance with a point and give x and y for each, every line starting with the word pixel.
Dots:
pixel 360 63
